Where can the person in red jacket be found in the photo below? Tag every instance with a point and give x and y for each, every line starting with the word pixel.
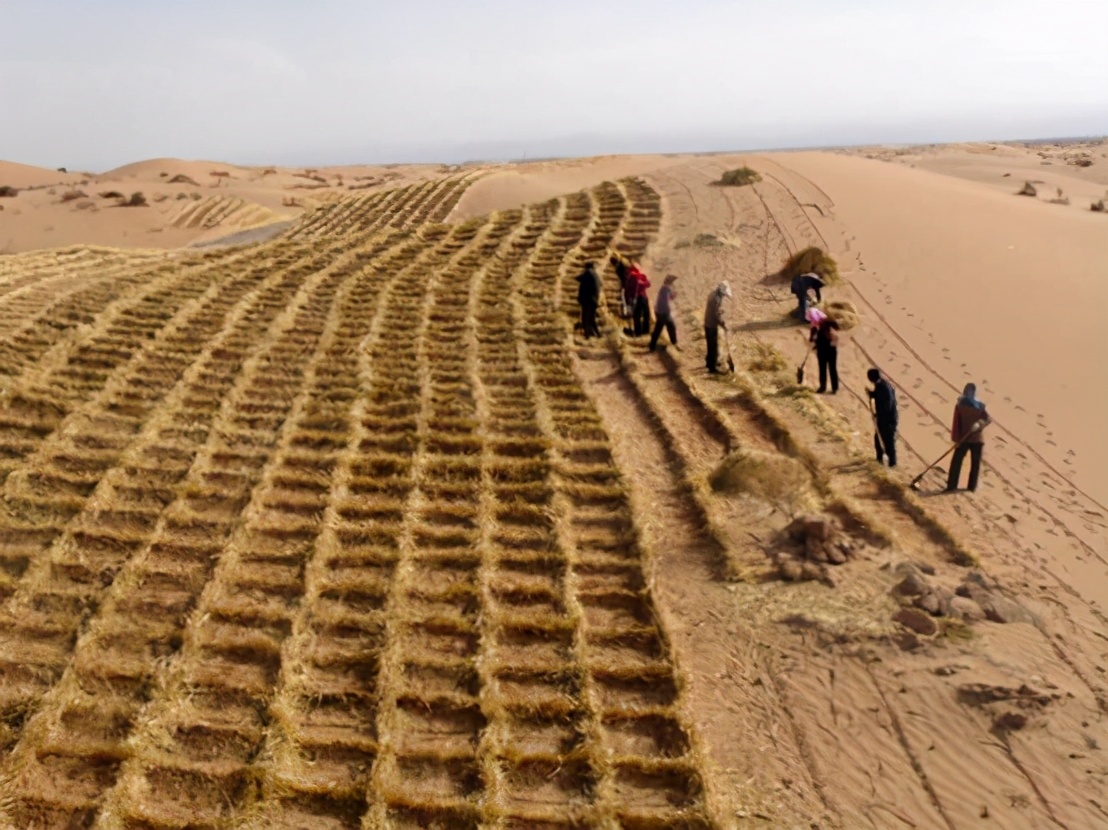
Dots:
pixel 969 419
pixel 637 283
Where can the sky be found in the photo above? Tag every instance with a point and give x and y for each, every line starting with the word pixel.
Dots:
pixel 93 84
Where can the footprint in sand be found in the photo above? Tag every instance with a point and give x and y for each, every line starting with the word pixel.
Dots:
pixel 1007 399
pixel 1068 461
pixel 1053 443
pixel 1020 408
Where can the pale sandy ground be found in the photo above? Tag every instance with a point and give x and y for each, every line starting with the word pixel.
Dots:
pixel 178 213
pixel 825 721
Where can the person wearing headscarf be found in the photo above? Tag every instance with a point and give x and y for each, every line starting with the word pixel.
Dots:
pixel 714 320
pixel 622 267
pixel 825 334
pixel 663 312
pixel 801 285
pixel 884 406
pixel 588 297
pixel 970 419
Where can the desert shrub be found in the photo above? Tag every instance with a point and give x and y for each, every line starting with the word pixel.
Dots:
pixel 1081 162
pixel 181 178
pixel 1099 206
pixel 707 240
pixel 110 194
pixel 1028 189
pixel 777 479
pixel 8 192
pixel 73 196
pixel 135 200
pixel 739 177
pixel 811 260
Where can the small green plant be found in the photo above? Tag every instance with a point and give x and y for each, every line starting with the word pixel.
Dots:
pixel 811 260
pixel 739 177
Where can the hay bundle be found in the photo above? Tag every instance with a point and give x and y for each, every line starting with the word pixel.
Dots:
pixel 777 479
pixel 844 312
pixel 812 260
pixel 739 177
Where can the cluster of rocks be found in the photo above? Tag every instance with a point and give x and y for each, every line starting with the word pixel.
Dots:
pixel 811 544
pixel 976 598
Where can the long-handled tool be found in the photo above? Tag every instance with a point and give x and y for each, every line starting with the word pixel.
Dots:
pixel 800 368
pixel 977 427
pixel 876 430
pixel 730 360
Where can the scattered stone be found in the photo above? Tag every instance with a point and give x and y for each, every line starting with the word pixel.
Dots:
pixel 1010 722
pixel 917 621
pixel 790 569
pixel 810 570
pixel 965 609
pixel 931 602
pixel 926 568
pixel 1028 189
pixel 913 585
pixel 1004 610
pixel 835 555
pixel 907 641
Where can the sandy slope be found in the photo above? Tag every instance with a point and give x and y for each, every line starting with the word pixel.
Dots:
pixel 811 702
pixel 38 217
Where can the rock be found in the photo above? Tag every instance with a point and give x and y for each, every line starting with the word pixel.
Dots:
pixel 965 609
pixel 907 641
pixel 790 569
pixel 912 585
pixel 835 555
pixel 814 526
pixel 1003 610
pixel 1028 188
pixel 815 550
pixel 917 621
pixel 1010 722
pixel 931 602
pixel 810 570
pixel 926 568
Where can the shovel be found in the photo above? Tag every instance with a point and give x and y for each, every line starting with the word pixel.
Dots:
pixel 800 368
pixel 730 360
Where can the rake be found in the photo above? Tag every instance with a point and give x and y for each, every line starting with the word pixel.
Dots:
pixel 975 428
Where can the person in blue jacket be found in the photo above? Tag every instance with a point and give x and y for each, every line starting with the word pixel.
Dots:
pixel 801 285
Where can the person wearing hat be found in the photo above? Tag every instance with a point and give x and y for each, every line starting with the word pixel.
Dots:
pixel 638 282
pixel 884 409
pixel 714 320
pixel 801 285
pixel 663 313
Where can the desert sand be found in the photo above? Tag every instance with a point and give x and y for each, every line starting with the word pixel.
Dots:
pixel 318 511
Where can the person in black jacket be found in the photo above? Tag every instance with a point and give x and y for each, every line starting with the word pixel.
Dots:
pixel 588 296
pixel 801 285
pixel 826 337
pixel 884 404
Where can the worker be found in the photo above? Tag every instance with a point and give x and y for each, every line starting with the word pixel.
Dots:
pixel 637 284
pixel 885 414
pixel 826 337
pixel 588 296
pixel 801 285
pixel 969 419
pixel 663 313
pixel 714 320
pixel 622 266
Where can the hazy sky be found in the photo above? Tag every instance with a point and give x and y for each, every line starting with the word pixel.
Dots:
pixel 96 83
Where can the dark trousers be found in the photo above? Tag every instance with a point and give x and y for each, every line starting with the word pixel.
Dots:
pixel 802 305
pixel 588 320
pixel 711 337
pixel 663 321
pixel 828 357
pixel 641 316
pixel 884 442
pixel 975 451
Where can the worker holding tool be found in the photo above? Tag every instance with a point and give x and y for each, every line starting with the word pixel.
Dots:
pixel 714 320
pixel 825 335
pixel 883 407
pixel 800 286
pixel 969 419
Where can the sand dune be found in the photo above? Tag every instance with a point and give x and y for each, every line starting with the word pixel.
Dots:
pixel 316 516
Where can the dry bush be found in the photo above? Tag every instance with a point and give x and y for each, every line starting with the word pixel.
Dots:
pixel 181 178
pixel 739 177
pixel 1081 162
pixel 1099 206
pixel 72 196
pixel 8 192
pixel 811 260
pixel 1028 189
pixel 134 200
pixel 110 194
pixel 778 479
